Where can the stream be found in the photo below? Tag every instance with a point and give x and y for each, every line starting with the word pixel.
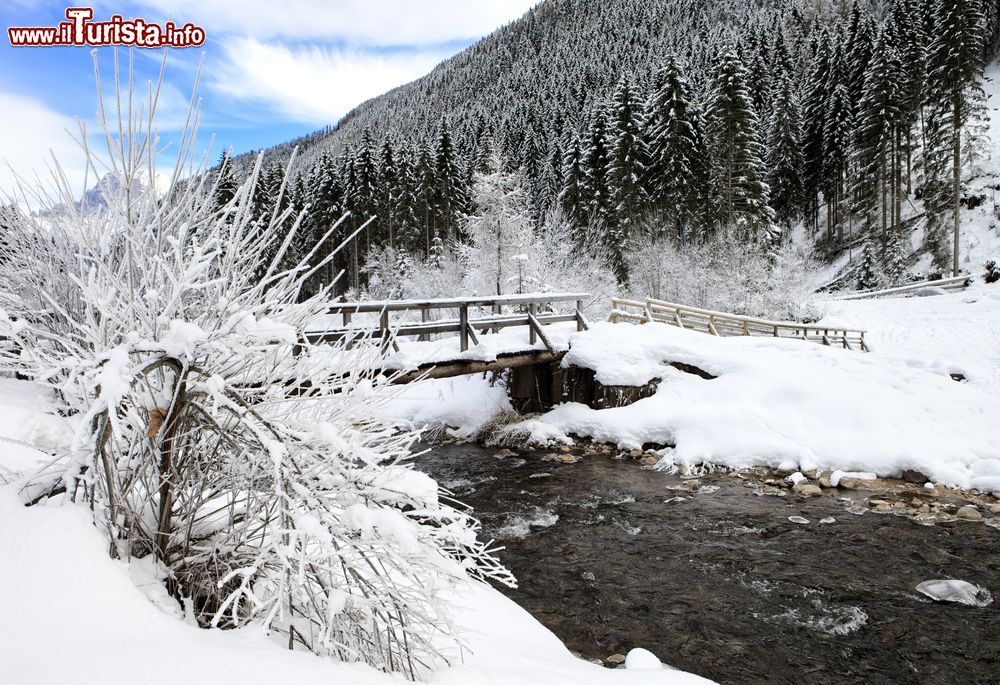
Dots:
pixel 710 575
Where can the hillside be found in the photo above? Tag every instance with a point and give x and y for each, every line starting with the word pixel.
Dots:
pixel 817 126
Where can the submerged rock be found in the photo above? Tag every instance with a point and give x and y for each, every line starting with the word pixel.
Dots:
pixel 969 513
pixel 808 490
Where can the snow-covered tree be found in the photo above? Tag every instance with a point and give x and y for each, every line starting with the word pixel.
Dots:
pixel 676 171
pixel 498 231
pixel 785 165
pixel 211 435
pixel 733 135
pixel 955 91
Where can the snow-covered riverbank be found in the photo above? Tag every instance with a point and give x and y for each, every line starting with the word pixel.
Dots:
pixel 785 403
pixel 72 614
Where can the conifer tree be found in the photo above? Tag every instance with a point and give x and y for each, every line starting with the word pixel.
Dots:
pixel 628 158
pixel 450 200
pixel 225 190
pixel 387 191
pixel 869 275
pixel 838 127
pixel 404 208
pixel 675 175
pixel 596 162
pixel 573 198
pixel 878 115
pixel 956 96
pixel 784 154
pixel 815 108
pixel 736 153
pixel 426 195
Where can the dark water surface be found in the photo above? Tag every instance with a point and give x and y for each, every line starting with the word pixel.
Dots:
pixel 722 584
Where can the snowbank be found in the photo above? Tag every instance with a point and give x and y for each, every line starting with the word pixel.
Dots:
pixel 784 402
pixel 944 334
pixel 72 614
pixel 464 403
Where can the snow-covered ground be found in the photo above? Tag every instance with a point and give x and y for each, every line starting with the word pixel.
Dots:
pixel 788 403
pixel 954 333
pixel 72 614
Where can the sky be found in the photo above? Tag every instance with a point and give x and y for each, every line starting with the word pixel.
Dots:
pixel 273 69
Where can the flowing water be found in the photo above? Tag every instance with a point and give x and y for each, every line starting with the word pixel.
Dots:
pixel 711 576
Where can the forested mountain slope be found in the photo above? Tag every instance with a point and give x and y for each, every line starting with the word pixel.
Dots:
pixel 674 121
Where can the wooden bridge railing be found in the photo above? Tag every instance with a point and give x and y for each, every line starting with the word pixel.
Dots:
pixel 532 311
pixel 723 324
pixel 952 284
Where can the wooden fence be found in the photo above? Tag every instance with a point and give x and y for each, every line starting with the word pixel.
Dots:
pixel 533 311
pixel 952 284
pixel 723 324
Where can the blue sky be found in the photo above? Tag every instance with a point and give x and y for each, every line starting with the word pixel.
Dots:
pixel 274 69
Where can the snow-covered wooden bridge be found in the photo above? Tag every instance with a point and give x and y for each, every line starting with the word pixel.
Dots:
pixel 486 335
pixel 724 324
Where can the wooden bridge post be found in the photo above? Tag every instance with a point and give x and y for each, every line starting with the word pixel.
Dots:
pixel 383 328
pixel 580 321
pixel 425 316
pixel 463 324
pixel 533 337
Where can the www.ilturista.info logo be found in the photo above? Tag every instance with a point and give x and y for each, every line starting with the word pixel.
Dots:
pixel 80 30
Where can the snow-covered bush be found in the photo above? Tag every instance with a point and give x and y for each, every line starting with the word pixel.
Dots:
pixel 726 276
pixel 211 434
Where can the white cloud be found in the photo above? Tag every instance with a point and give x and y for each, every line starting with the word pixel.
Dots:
pixel 32 134
pixel 366 22
pixel 312 84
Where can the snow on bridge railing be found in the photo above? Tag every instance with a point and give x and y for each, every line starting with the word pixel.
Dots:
pixel 532 314
pixel 725 324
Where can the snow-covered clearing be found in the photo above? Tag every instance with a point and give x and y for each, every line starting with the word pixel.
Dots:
pixel 793 404
pixel 70 613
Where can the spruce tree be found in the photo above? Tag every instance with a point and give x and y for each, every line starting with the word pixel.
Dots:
pixel 596 163
pixel 874 140
pixel 225 189
pixel 956 97
pixel 869 276
pixel 387 192
pixel 675 175
pixel 628 158
pixel 816 105
pixel 404 209
pixel 736 155
pixel 572 198
pixel 450 198
pixel 785 162
pixel 427 197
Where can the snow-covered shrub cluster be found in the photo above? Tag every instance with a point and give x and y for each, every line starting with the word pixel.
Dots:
pixel 725 276
pixel 210 434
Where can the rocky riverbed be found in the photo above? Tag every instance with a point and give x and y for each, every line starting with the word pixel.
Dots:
pixel 743 577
